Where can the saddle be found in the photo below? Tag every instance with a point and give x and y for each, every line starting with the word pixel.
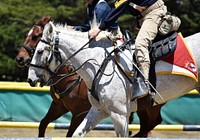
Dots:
pixel 162 47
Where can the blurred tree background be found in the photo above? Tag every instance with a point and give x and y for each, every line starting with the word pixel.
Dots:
pixel 18 16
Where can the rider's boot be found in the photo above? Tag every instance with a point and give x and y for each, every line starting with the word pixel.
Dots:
pixel 141 86
pixel 142 90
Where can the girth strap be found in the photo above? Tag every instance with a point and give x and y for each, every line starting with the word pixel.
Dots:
pixel 70 89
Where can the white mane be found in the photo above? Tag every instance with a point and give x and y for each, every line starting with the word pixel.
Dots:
pixel 63 28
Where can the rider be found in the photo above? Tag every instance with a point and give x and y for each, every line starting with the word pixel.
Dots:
pixel 150 13
pixel 98 9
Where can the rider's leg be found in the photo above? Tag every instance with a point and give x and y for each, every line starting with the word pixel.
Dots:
pixel 146 34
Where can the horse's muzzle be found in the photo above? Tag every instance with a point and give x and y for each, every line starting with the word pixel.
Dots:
pixel 32 83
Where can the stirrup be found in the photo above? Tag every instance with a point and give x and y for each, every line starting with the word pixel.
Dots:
pixel 140 89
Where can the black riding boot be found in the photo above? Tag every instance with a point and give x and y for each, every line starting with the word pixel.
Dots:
pixel 141 92
pixel 140 89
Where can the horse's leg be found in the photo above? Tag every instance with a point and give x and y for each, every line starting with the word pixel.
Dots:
pixel 120 123
pixel 131 118
pixel 75 122
pixel 93 117
pixel 149 119
pixel 55 111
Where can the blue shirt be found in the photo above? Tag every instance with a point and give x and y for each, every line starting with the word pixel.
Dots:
pixel 114 15
pixel 101 9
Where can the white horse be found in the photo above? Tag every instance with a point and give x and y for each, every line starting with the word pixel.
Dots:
pixel 112 88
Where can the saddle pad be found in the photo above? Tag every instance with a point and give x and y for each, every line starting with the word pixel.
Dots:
pixel 180 62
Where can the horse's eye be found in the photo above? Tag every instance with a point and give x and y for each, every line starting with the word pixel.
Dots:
pixel 48 48
pixel 34 38
pixel 40 51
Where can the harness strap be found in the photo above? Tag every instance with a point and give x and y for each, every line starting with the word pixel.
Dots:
pixel 70 89
pixel 124 73
pixel 44 41
pixel 29 50
pixel 78 50
pixel 97 76
pixel 42 67
pixel 56 51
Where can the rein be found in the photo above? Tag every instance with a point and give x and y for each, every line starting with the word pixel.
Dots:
pixel 42 67
pixel 78 50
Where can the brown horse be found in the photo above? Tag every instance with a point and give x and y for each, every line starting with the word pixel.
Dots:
pixel 64 100
pixel 76 101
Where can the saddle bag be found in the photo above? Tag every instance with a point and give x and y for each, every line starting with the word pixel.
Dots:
pixel 168 24
pixel 163 48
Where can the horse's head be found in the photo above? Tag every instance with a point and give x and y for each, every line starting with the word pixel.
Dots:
pixel 46 59
pixel 25 53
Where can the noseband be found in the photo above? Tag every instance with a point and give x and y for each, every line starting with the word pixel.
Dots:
pixel 29 50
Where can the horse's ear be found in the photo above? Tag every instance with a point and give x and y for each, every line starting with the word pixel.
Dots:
pixel 44 21
pixel 48 31
pixel 52 26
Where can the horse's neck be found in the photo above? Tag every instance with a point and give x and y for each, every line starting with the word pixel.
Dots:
pixel 70 45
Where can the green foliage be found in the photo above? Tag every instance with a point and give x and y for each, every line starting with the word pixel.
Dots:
pixel 189 13
pixel 9 69
pixel 18 16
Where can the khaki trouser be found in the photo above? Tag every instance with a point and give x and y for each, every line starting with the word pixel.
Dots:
pixel 147 33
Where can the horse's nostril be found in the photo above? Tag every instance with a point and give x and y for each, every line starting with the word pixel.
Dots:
pixel 29 81
pixel 19 60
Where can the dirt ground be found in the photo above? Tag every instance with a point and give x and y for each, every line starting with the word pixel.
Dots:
pixel 30 132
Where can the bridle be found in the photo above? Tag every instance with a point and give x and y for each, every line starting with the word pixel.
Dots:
pixel 54 45
pixel 29 49
pixel 54 52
